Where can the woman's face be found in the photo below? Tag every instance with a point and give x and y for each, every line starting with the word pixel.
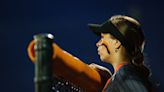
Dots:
pixel 105 47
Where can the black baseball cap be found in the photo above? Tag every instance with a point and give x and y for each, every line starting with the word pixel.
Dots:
pixel 109 27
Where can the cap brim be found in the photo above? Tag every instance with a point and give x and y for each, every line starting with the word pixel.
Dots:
pixel 106 27
pixel 96 28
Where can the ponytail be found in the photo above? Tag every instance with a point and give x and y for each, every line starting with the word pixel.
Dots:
pixel 138 61
pixel 137 57
pixel 134 40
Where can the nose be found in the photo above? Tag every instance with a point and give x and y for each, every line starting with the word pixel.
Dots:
pixel 99 43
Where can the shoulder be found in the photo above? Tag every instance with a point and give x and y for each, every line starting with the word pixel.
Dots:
pixel 128 78
pixel 132 85
pixel 126 84
pixel 129 72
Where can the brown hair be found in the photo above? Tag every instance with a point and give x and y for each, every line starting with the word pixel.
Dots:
pixel 131 30
pixel 134 36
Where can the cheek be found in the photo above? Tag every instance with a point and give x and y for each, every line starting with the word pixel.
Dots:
pixel 102 50
pixel 108 45
pixel 103 53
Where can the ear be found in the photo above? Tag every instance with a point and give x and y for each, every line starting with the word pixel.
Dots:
pixel 117 44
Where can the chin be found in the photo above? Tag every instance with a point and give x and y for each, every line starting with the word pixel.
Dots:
pixel 104 59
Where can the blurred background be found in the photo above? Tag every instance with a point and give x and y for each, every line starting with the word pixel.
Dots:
pixel 67 20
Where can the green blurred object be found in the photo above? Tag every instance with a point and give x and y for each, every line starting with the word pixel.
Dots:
pixel 43 67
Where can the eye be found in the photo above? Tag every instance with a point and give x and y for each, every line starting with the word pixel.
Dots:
pixel 102 36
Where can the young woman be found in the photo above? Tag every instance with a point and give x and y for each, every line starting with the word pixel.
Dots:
pixel 121 44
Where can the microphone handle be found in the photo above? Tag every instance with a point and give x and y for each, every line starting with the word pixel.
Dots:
pixel 43 62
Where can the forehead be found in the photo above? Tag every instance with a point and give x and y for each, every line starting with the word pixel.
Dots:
pixel 106 35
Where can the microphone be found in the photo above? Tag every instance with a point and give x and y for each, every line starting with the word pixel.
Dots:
pixel 43 62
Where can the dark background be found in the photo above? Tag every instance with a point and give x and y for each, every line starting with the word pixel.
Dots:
pixel 67 20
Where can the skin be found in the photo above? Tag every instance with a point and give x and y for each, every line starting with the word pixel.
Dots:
pixel 111 51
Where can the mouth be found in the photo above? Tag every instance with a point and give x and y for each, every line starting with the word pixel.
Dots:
pixel 98 53
pixel 99 49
